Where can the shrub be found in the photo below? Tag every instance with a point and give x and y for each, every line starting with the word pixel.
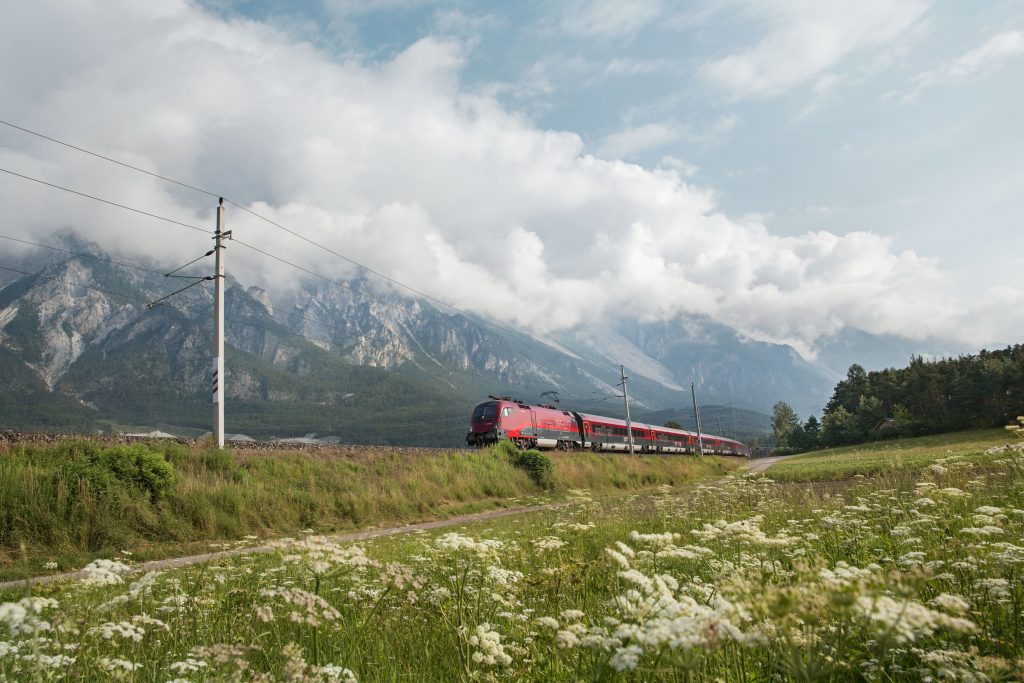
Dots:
pixel 538 466
pixel 111 468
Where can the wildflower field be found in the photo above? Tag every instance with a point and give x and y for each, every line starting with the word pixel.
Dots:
pixel 77 500
pixel 910 574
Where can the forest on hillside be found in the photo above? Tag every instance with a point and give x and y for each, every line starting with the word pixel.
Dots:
pixel 926 397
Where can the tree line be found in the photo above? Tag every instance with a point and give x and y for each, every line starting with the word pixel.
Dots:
pixel 926 397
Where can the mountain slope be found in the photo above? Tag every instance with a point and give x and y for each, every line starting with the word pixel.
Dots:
pixel 351 360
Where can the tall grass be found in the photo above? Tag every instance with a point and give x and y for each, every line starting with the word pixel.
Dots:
pixel 885 456
pixel 75 501
pixel 911 575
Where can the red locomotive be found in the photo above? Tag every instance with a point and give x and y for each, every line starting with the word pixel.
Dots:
pixel 537 426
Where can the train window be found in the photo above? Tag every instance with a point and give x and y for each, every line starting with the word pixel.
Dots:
pixel 506 411
pixel 485 411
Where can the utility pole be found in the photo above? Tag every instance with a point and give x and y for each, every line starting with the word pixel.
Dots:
pixel 625 398
pixel 696 412
pixel 218 332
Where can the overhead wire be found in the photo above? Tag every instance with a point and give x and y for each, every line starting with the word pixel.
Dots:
pixel 197 258
pixel 105 201
pixel 247 245
pixel 260 217
pixel 145 301
pixel 83 254
pixel 339 283
pixel 110 159
pixel 73 284
pixel 159 302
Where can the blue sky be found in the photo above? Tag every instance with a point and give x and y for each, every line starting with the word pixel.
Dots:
pixel 788 168
pixel 855 142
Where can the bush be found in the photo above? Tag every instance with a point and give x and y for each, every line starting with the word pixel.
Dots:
pixel 111 468
pixel 538 466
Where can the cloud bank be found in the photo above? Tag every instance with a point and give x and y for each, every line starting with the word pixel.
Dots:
pixel 803 40
pixel 400 167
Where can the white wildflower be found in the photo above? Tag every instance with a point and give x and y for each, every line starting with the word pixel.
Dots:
pixel 457 542
pixel 489 649
pixel 626 658
pixel 188 665
pixel 907 620
pixel 548 543
pixel 953 604
pixel 121 629
pixel 567 639
pixel 104 572
pixel 115 665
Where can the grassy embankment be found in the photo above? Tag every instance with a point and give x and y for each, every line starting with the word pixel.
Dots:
pixel 77 501
pixel 885 457
pixel 910 574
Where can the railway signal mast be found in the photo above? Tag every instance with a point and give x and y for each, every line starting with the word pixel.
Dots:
pixel 625 399
pixel 696 413
pixel 218 305
pixel 218 316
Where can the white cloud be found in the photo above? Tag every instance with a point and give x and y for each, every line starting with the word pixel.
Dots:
pixel 631 66
pixel 976 63
pixel 804 39
pixel 685 169
pixel 609 18
pixel 626 143
pixel 397 166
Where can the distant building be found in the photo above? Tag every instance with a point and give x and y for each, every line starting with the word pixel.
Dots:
pixel 889 424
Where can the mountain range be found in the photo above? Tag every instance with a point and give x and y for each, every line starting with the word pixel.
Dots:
pixel 82 351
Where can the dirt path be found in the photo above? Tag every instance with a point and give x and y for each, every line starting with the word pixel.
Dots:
pixel 761 464
pixel 175 562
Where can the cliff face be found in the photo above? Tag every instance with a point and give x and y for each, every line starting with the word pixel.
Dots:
pixel 352 346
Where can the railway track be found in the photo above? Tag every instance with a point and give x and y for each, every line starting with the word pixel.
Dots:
pixel 11 437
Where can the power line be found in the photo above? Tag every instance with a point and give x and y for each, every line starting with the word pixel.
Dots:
pixel 253 213
pixel 84 254
pixel 316 274
pixel 148 270
pixel 346 258
pixel 73 284
pixel 197 258
pixel 142 300
pixel 105 201
pixel 111 160
pixel 158 302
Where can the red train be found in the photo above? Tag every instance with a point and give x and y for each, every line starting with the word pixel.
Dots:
pixel 536 426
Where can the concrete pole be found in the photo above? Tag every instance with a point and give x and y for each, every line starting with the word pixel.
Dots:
pixel 218 332
pixel 696 412
pixel 625 398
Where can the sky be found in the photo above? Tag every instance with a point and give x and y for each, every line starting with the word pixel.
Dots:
pixel 788 168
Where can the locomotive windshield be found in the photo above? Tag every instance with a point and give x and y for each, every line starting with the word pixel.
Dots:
pixel 485 412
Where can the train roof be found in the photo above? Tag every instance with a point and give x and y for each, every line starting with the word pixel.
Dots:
pixel 616 422
pixel 613 421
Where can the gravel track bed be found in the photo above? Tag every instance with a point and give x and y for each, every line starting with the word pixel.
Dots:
pixel 10 437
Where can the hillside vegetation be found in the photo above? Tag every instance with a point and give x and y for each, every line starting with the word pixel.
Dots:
pixel 909 574
pixel 78 500
pixel 895 456
pixel 927 397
